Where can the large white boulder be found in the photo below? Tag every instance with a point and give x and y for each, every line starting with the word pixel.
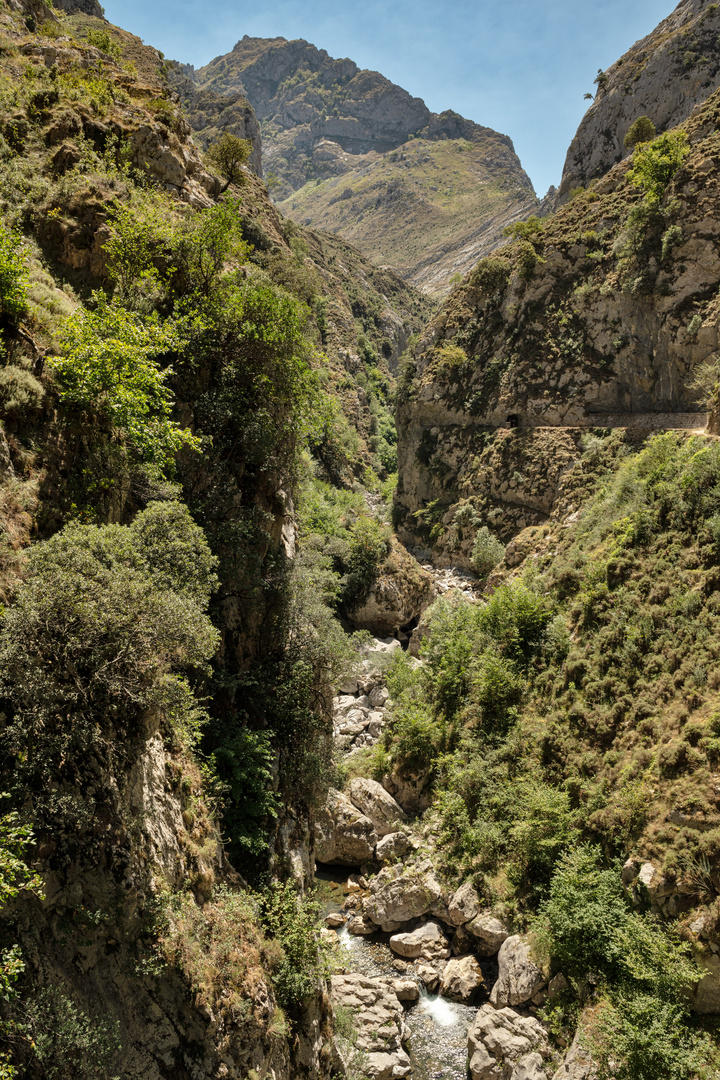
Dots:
pixel 428 941
pixel 463 905
pixel 377 804
pixel 342 833
pixel 488 933
pixel 462 979
pixel 377 1017
pixel 502 1045
pixel 399 894
pixel 519 979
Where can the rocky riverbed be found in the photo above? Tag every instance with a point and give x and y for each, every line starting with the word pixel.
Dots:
pixel 430 984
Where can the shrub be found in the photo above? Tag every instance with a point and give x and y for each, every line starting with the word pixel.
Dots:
pixel 104 619
pixel 639 1037
pixel 204 243
pixel 13 277
pixel 63 1039
pixel 491 274
pixel 218 946
pixel 20 391
pixel 292 921
pixel 640 131
pixel 110 364
pixel 579 920
pixel 418 738
pixel 487 552
pixel 368 547
pixel 655 163
pixel 100 39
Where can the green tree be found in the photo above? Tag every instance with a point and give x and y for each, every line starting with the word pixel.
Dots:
pixel 111 364
pixel 640 131
pixel 228 155
pixel 655 163
pixel 13 277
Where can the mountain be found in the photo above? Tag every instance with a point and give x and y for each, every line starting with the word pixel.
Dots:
pixel 663 76
pixel 348 151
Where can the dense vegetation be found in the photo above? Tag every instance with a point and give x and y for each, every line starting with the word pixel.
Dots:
pixel 561 722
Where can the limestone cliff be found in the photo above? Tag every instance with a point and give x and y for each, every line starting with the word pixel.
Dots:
pixel 663 76
pixel 587 324
pixel 348 151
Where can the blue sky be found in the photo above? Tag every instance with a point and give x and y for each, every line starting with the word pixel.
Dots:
pixel 521 67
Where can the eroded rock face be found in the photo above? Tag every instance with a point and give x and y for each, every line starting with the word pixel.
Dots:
pixel 401 592
pixel 663 76
pixel 462 979
pixel 502 1045
pixel 519 980
pixel 374 801
pixel 377 1016
pixel 577 1064
pixel 342 833
pixel 396 896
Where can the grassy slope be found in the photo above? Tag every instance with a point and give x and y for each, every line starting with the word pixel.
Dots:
pixel 429 209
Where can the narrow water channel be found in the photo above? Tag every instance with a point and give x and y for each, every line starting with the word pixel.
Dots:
pixel 438 1028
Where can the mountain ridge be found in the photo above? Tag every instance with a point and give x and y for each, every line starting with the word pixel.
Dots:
pixel 325 122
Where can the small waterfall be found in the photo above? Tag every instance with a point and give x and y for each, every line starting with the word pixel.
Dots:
pixel 441 1011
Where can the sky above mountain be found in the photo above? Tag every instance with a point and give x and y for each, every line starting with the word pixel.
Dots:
pixel 521 68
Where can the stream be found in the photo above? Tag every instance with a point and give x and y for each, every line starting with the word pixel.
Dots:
pixel 438 1028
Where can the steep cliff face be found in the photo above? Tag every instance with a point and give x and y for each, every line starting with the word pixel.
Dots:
pixel 350 152
pixel 596 318
pixel 121 811
pixel 663 76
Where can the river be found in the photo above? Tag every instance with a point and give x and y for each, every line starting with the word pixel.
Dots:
pixel 438 1028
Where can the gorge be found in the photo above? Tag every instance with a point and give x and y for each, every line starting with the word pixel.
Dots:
pixel 360 631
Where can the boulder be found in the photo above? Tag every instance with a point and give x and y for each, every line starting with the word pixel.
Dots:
pixel 519 980
pixel 334 920
pixel 377 804
pixel 429 976
pixel 428 942
pixel 489 934
pixel 502 1045
pixel 398 895
pixel 406 945
pixel 360 926
pixel 462 979
pixel 377 1016
pixel 392 847
pixel 406 989
pixel 577 1064
pixel 400 591
pixel 463 905
pixel 342 834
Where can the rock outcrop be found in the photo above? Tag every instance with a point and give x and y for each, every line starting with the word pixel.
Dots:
pixel 342 833
pixel 663 76
pixel 400 593
pixel 519 979
pixel 377 1020
pixel 527 357
pixel 502 1045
